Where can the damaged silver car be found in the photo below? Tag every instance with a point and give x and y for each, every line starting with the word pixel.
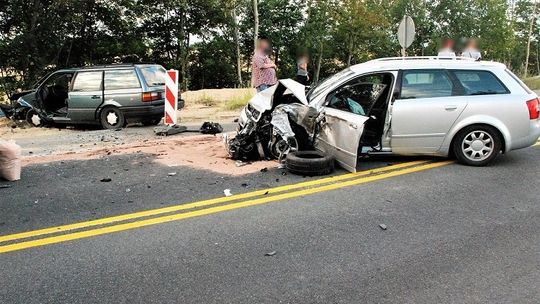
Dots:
pixel 407 106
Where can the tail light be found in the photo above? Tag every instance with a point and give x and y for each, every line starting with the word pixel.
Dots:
pixel 534 108
pixel 151 96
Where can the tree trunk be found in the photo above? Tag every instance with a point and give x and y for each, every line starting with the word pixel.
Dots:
pixel 256 25
pixel 237 42
pixel 319 62
pixel 533 18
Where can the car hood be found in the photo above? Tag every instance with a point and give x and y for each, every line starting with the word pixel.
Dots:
pixel 16 96
pixel 264 101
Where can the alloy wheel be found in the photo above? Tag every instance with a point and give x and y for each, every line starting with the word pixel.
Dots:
pixel 478 146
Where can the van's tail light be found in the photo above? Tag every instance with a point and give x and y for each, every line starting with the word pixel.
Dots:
pixel 534 108
pixel 151 96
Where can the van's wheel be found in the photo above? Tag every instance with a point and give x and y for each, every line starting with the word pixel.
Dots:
pixel 33 118
pixel 309 163
pixel 112 118
pixel 477 145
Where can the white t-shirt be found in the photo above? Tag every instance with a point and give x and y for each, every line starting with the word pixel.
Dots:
pixel 447 53
pixel 472 53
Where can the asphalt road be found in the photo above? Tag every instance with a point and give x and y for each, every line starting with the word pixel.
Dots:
pixel 454 234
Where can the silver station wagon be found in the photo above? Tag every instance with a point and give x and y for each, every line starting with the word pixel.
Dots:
pixel 408 106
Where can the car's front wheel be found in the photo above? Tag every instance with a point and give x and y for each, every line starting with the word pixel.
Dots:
pixel 477 145
pixel 112 118
pixel 33 118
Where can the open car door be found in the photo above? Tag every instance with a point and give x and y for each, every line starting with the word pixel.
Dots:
pixel 340 134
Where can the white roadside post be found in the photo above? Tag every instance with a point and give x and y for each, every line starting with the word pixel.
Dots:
pixel 171 106
pixel 171 97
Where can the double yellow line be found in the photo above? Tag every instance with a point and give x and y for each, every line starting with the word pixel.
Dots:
pixel 124 222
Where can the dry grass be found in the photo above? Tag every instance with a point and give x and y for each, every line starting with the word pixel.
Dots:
pixel 533 83
pixel 237 103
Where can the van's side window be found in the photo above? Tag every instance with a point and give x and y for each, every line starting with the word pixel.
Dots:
pixel 88 81
pixel 121 79
pixel 479 82
pixel 426 84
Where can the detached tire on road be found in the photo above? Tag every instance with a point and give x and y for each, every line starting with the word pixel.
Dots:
pixel 309 163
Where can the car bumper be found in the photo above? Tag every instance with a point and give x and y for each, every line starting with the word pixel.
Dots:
pixel 530 139
pixel 144 112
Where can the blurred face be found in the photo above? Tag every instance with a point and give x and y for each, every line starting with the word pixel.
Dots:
pixel 449 44
pixel 263 45
pixel 473 44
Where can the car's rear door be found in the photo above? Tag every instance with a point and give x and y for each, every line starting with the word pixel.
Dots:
pixel 85 96
pixel 426 105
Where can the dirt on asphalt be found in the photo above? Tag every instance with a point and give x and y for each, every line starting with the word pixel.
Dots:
pixel 46 145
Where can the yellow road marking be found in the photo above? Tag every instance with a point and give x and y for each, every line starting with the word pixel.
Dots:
pixel 212 210
pixel 219 200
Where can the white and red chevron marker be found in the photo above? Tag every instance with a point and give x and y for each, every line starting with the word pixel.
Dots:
pixel 171 97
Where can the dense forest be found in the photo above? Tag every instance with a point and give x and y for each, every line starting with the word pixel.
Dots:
pixel 211 41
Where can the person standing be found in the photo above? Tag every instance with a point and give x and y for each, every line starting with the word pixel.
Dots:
pixel 263 69
pixel 447 49
pixel 472 51
pixel 302 75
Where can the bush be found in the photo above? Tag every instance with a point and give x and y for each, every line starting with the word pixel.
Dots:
pixel 207 100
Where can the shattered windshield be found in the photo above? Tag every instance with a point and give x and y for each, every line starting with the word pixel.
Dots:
pixel 326 83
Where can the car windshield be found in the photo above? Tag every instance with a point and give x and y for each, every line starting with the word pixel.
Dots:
pixel 154 75
pixel 326 83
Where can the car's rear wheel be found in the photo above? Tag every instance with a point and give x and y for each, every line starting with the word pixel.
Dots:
pixel 112 118
pixel 477 145
pixel 33 118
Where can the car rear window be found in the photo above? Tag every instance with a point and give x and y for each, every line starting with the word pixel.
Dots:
pixel 88 81
pixel 154 75
pixel 523 85
pixel 425 84
pixel 480 83
pixel 121 79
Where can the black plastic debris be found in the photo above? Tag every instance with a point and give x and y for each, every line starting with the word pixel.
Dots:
pixel 105 180
pixel 264 170
pixel 5 186
pixel 209 127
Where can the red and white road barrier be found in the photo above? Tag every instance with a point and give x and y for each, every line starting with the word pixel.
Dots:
pixel 171 97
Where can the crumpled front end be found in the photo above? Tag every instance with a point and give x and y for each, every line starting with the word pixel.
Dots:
pixel 274 122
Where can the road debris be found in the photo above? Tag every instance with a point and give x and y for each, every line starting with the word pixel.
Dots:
pixel 227 192
pixel 171 174
pixel 209 127
pixel 5 186
pixel 264 170
pixel 271 253
pixel 383 226
pixel 106 180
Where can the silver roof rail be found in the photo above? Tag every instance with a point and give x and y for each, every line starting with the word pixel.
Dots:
pixel 424 58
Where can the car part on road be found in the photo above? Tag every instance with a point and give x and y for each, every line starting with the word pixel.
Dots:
pixel 309 163
pixel 477 145
pixel 10 160
pixel 211 128
pixel 112 118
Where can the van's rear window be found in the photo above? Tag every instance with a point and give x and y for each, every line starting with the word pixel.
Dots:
pixel 154 75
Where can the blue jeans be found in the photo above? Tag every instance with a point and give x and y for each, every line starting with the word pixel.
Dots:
pixel 262 87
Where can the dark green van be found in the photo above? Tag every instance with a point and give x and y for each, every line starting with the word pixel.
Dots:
pixel 110 95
